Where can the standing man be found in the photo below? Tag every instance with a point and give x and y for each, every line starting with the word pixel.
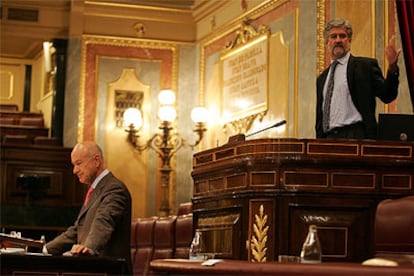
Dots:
pixel 348 110
pixel 103 225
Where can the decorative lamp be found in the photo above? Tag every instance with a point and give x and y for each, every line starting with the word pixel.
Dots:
pixel 168 141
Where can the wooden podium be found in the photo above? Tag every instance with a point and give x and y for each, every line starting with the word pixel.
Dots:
pixel 254 199
pixel 38 264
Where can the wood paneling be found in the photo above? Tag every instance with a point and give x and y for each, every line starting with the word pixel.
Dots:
pixel 335 184
pixel 50 197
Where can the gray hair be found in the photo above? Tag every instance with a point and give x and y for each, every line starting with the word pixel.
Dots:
pixel 338 23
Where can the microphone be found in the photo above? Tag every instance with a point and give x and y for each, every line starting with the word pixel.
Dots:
pixel 272 126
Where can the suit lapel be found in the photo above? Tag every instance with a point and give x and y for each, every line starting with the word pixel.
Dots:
pixel 323 77
pixel 351 73
pixel 94 196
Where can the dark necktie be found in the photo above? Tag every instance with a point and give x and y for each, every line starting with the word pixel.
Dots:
pixel 88 195
pixel 328 97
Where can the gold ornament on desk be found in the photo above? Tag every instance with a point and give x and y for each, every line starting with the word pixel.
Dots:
pixel 259 239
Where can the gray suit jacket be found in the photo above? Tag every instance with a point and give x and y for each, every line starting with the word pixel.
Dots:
pixel 103 225
pixel 365 82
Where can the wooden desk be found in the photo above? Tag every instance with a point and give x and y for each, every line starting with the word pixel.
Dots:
pixel 271 190
pixel 236 267
pixel 19 264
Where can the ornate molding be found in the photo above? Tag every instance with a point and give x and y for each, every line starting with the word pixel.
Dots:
pixel 245 34
pixel 321 19
pixel 244 124
pixel 139 29
pixel 259 238
pixel 113 46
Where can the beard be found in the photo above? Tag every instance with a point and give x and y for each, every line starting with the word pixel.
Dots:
pixel 338 51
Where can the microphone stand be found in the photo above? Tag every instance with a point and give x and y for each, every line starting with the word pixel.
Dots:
pixel 272 126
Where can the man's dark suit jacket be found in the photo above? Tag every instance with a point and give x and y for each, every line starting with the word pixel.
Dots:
pixel 103 225
pixel 365 82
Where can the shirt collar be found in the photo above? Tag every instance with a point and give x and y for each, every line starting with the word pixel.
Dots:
pixel 99 178
pixel 344 59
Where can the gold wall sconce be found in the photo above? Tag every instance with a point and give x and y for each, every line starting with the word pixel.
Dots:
pixel 168 141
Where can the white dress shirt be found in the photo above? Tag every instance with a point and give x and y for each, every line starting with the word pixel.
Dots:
pixel 343 111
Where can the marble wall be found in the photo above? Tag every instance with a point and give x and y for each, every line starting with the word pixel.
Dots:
pixel 192 69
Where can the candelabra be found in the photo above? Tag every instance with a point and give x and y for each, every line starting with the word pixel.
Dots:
pixel 168 141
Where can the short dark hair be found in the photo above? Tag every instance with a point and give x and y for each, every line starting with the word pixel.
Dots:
pixel 335 23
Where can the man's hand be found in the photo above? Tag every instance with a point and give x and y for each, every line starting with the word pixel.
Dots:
pixel 80 249
pixel 392 53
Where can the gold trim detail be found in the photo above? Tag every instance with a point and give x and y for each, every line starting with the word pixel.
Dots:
pixel 139 29
pixel 227 29
pixel 387 154
pixel 384 184
pixel 296 78
pixel 330 146
pixel 82 92
pixel 349 175
pixel 246 33
pixel 259 238
pixel 320 25
pixel 386 13
pixel 324 174
pixel 245 40
pixel 242 125
pixel 99 3
pixel 121 42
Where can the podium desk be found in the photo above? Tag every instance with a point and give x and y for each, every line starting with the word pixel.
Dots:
pixel 238 267
pixel 38 264
pixel 254 199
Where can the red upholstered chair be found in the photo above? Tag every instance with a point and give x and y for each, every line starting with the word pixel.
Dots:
pixel 185 208
pixel 144 236
pixel 183 235
pixel 164 234
pixel 394 226
pixel 133 240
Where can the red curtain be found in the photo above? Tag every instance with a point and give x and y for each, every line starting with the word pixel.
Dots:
pixel 405 13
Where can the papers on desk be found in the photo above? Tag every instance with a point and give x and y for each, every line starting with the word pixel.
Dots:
pixel 380 262
pixel 37 254
pixel 210 262
pixel 12 250
pixel 20 251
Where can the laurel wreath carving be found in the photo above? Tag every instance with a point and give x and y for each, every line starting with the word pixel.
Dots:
pixel 259 238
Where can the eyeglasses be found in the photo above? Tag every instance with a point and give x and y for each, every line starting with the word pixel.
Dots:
pixel 334 36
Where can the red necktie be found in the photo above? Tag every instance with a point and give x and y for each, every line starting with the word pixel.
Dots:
pixel 88 195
